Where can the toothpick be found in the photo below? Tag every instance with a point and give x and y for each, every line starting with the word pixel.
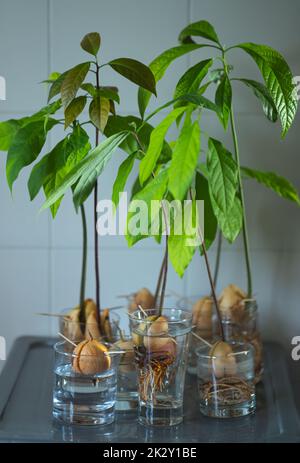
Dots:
pixel 201 339
pixel 117 352
pixel 68 340
pixel 47 314
pixel 142 310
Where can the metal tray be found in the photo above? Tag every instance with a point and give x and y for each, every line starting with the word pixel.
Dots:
pixel 26 401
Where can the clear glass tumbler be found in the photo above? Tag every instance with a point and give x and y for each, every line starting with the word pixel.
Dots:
pixel 161 352
pixel 127 396
pixel 84 394
pixel 226 380
pixel 242 325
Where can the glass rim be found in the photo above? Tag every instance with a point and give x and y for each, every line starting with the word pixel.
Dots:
pixel 187 315
pixel 58 344
pixel 246 346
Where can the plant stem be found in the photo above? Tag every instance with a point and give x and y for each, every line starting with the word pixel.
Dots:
pixel 241 190
pixel 245 231
pixel 162 296
pixel 96 242
pixel 213 292
pixel 218 258
pixel 83 268
pixel 159 281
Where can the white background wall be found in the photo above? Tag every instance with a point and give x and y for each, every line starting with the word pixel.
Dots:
pixel 40 259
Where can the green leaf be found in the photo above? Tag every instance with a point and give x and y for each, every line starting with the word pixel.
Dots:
pixel 122 176
pixel 91 43
pixel 99 111
pixel 25 147
pixel 55 88
pixel 231 222
pixel 210 221
pixel 74 109
pixel 148 163
pixel 153 190
pixel 136 72
pixel 72 82
pixel 95 160
pixel 223 188
pixel 8 130
pixel 98 159
pixel 222 175
pixel 180 253
pixel 109 92
pixel 159 66
pixel 184 159
pixel 199 29
pixel 192 78
pixel 55 164
pixel 264 96
pixel 278 79
pixel 275 182
pixel 223 99
pixel 117 124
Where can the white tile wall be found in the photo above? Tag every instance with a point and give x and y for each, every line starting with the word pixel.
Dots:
pixel 40 259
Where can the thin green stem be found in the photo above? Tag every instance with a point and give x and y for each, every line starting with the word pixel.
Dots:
pixel 241 190
pixel 218 258
pixel 96 241
pixel 244 229
pixel 84 261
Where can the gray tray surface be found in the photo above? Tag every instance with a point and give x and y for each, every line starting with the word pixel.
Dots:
pixel 26 407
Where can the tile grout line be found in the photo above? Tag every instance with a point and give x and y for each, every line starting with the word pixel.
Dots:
pixel 49 65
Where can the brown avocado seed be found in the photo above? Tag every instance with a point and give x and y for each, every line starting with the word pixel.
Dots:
pixel 202 315
pixel 91 327
pixel 231 303
pixel 222 361
pixel 90 359
pixel 157 339
pixel 72 327
pixel 144 298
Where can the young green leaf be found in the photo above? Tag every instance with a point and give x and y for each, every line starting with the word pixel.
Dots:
pixel 91 43
pixel 25 147
pixel 98 159
pixel 72 82
pixel 8 130
pixel 109 92
pixel 264 96
pixel 148 163
pixel 122 176
pixel 223 99
pixel 159 66
pixel 153 190
pixel 210 221
pixel 278 79
pixel 192 78
pixel 61 159
pixel 99 112
pixel 95 161
pixel 275 182
pixel 55 87
pixel 222 175
pixel 74 109
pixel 184 159
pixel 180 253
pixel 199 29
pixel 230 223
pixel 136 72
